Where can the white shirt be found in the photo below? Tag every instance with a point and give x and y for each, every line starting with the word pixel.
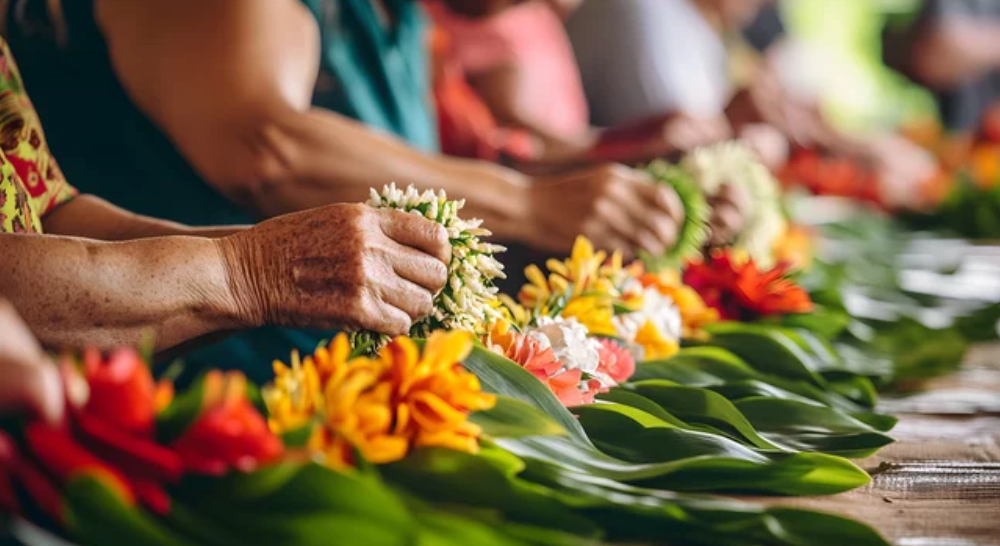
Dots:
pixel 641 58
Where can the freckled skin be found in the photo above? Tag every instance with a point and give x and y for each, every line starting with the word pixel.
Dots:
pixel 358 268
pixel 340 266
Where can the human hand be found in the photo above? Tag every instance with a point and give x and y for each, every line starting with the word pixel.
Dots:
pixel 902 168
pixel 339 266
pixel 617 208
pixel 770 145
pixel 30 381
pixel 730 208
pixel 659 137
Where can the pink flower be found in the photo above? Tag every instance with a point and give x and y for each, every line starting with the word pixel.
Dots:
pixel 616 361
pixel 542 363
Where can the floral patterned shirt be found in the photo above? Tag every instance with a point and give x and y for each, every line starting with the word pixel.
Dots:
pixel 31 184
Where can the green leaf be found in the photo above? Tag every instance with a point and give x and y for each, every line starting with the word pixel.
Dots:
pixel 512 418
pixel 182 412
pixel 663 456
pixel 484 481
pixel 768 350
pixel 500 376
pixel 98 517
pixel 725 373
pixel 791 355
pixel 697 366
pixel 696 405
pixel 300 504
pixel 811 427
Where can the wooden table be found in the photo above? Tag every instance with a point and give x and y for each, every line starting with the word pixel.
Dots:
pixel 939 484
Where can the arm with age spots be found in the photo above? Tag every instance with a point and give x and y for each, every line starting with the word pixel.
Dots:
pixel 340 266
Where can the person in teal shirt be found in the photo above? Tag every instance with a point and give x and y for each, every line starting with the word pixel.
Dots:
pixel 231 111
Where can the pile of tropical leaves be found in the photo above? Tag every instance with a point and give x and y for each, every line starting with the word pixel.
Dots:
pixel 205 472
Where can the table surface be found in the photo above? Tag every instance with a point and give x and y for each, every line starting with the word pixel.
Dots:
pixel 939 484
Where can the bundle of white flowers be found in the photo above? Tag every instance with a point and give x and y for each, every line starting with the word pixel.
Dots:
pixel 465 302
pixel 733 162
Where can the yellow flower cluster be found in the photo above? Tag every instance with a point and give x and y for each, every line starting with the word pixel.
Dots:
pixel 600 294
pixel 384 407
pixel 585 272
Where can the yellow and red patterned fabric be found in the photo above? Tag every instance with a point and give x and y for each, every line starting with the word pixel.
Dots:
pixel 31 184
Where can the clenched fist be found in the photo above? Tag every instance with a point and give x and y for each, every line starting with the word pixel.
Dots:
pixel 730 209
pixel 339 266
pixel 615 207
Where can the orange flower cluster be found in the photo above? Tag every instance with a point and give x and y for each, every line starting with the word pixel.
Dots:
pixel 384 407
pixel 739 291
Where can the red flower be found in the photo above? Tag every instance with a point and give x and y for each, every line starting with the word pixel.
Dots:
pixel 742 292
pixel 122 391
pixel 230 433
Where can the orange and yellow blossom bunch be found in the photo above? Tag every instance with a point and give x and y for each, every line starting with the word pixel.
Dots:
pixel 596 291
pixel 382 407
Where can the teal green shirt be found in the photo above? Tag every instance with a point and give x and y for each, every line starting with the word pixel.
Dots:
pixel 373 74
pixel 106 146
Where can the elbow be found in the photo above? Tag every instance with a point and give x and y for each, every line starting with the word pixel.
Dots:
pixel 256 163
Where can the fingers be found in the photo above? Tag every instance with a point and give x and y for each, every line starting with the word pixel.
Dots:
pixel 733 195
pixel 417 267
pixel 415 231
pixel 34 386
pixel 654 212
pixel 409 298
pixel 386 318
pixel 609 240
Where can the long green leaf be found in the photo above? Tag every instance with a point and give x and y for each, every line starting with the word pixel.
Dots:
pixel 512 418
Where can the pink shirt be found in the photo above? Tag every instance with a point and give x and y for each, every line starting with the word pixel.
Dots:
pixel 532 36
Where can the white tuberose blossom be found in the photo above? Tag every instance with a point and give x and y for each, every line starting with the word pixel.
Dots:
pixel 464 304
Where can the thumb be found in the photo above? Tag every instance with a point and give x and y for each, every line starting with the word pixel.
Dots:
pixel 35 387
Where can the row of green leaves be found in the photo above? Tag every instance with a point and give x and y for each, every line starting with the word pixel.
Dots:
pixel 775 421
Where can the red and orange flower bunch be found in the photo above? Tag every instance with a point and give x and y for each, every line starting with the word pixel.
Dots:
pixel 740 291
pixel 111 435
pixel 382 408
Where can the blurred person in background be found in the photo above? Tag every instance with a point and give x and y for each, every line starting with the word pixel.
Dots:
pixel 83 272
pixel 640 57
pixel 228 111
pixel 953 48
pixel 519 63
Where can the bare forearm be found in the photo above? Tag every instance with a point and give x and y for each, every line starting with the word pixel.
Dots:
pixel 93 218
pixel 326 158
pixel 77 292
pixel 956 52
